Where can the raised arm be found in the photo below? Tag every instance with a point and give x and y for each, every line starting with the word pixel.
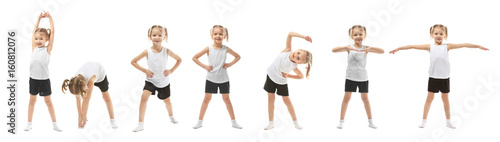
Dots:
pixel 342 49
pixel 419 47
pixel 289 40
pixel 134 63
pixel 298 75
pixel 468 45
pixel 198 55
pixel 51 38
pixel 373 50
pixel 176 57
pixel 33 44
pixel 236 56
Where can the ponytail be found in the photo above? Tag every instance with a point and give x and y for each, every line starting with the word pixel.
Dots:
pixel 76 85
pixel 309 62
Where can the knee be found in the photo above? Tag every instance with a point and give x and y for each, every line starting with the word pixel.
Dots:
pixel 429 99
pixel 48 102
pixel 365 100
pixel 227 100
pixel 106 99
pixel 207 100
pixel 287 100
pixel 346 99
pixel 32 101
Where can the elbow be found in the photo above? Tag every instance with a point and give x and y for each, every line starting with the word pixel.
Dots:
pixel 194 59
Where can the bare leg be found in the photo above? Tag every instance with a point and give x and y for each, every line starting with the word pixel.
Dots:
pixel 168 104
pixel 427 107
pixel 289 105
pixel 270 105
pixel 345 103
pixel 109 104
pixel 31 107
pixel 364 97
pixel 446 103
pixel 50 106
pixel 229 106
pixel 143 104
pixel 204 105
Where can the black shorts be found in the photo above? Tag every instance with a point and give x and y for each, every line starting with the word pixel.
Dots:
pixel 351 86
pixel 41 87
pixel 103 85
pixel 436 85
pixel 271 87
pixel 163 93
pixel 211 87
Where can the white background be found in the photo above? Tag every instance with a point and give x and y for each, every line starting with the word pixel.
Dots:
pixel 114 32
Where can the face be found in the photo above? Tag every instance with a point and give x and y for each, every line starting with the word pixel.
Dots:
pixel 438 35
pixel 218 35
pixel 358 35
pixel 157 36
pixel 299 56
pixel 40 39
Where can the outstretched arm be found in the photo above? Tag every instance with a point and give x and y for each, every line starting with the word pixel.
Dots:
pixel 298 75
pixel 342 49
pixel 51 38
pixel 134 63
pixel 33 44
pixel 86 99
pixel 373 50
pixel 198 55
pixel 236 58
pixel 419 47
pixel 79 108
pixel 176 57
pixel 289 40
pixel 468 45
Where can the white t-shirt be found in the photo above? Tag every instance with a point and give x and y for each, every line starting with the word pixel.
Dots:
pixel 440 64
pixel 39 64
pixel 157 63
pixel 356 63
pixel 217 59
pixel 281 64
pixel 90 69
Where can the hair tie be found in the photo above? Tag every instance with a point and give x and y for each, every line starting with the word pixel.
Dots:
pixel 69 81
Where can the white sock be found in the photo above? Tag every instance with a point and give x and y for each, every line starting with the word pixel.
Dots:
pixel 296 123
pixel 55 127
pixel 235 125
pixel 198 125
pixel 29 127
pixel 270 125
pixel 140 127
pixel 371 124
pixel 172 119
pixel 424 121
pixel 113 124
pixel 449 125
pixel 341 124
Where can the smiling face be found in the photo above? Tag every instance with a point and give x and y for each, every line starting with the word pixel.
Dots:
pixel 157 36
pixel 298 56
pixel 41 39
pixel 218 35
pixel 358 35
pixel 438 34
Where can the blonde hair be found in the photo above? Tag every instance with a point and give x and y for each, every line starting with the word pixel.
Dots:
pixel 309 61
pixel 76 85
pixel 442 27
pixel 47 32
pixel 356 26
pixel 164 30
pixel 225 31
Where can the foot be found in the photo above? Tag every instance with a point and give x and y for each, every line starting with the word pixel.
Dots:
pixel 372 126
pixel 199 125
pixel 451 126
pixel 297 126
pixel 269 126
pixel 28 128
pixel 172 119
pixel 57 129
pixel 237 126
pixel 139 128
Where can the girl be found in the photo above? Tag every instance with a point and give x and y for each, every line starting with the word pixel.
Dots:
pixel 157 73
pixel 39 69
pixel 356 75
pixel 82 84
pixel 277 75
pixel 217 72
pixel 439 70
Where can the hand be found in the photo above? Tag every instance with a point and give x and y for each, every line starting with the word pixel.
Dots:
pixel 365 50
pixel 208 68
pixel 47 14
pixel 483 48
pixel 167 72
pixel 82 121
pixel 308 38
pixel 149 73
pixel 349 48
pixel 393 51
pixel 285 75
pixel 44 14
pixel 226 65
